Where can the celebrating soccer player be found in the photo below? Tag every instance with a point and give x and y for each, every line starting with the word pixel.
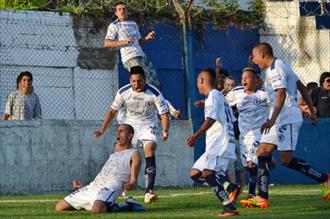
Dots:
pixel 282 127
pixel 142 103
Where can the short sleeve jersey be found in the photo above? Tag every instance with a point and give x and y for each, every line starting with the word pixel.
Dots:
pixel 252 108
pixel 23 107
pixel 280 75
pixel 142 108
pixel 121 30
pixel 220 136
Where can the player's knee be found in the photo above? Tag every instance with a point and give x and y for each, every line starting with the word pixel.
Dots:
pixel 60 206
pixel 285 158
pixel 98 207
pixel 195 176
pixel 285 161
pixel 207 174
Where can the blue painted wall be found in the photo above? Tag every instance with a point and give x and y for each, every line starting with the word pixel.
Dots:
pixel 314 147
pixel 233 45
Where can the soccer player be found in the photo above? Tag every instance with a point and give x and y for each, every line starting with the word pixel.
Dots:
pixel 281 129
pixel 252 105
pixel 220 144
pixel 142 103
pixel 119 172
pixel 125 34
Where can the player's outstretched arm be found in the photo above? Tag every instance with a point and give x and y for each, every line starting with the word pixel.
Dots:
pixel 150 36
pixel 118 43
pixel 165 126
pixel 205 126
pixel 109 116
pixel 135 169
pixel 279 102
pixel 305 95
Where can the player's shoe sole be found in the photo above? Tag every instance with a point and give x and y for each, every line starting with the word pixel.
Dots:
pixel 150 197
pixel 228 213
pixel 234 194
pixel 326 189
pixel 255 202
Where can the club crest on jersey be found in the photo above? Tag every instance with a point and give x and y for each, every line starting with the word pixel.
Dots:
pixel 281 137
pixel 256 101
pixel 282 129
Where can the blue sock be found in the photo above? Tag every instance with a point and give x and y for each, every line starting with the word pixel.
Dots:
pixel 253 178
pixel 304 168
pixel 264 170
pixel 150 173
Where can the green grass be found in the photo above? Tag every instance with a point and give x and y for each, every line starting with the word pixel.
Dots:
pixel 296 201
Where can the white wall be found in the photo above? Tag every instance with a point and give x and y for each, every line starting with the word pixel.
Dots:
pixel 46 44
pixel 296 40
pixel 44 156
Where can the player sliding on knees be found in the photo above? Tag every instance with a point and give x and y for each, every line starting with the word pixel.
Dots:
pixel 252 104
pixel 142 103
pixel 119 172
pixel 220 144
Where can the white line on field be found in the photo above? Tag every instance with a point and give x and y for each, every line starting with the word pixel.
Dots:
pixel 272 191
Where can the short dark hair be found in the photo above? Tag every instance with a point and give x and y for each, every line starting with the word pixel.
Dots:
pixel 21 75
pixel 211 74
pixel 265 48
pixel 129 128
pixel 118 3
pixel 137 70
pixel 250 69
pixel 311 86
pixel 323 76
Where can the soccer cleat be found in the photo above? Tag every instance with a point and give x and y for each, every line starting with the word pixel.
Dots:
pixel 150 197
pixel 133 205
pixel 255 202
pixel 326 189
pixel 234 194
pixel 228 213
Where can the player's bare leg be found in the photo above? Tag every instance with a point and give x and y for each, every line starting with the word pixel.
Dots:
pixel 62 205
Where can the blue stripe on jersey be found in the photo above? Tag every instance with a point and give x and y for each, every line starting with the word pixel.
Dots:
pixel 124 88
pixel 238 88
pixel 273 65
pixel 153 90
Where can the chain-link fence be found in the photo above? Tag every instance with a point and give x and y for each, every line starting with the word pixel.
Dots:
pixel 61 55
pixel 76 78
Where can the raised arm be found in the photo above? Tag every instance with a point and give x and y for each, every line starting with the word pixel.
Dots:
pixel 305 95
pixel 150 36
pixel 135 169
pixel 109 116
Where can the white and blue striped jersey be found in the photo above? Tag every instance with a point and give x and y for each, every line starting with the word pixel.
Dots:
pixel 141 108
pixel 280 75
pixel 122 30
pixel 252 108
pixel 220 136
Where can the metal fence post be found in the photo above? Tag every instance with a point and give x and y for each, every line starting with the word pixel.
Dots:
pixel 190 87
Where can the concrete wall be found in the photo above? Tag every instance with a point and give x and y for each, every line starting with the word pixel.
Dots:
pixel 44 156
pixel 296 40
pixel 74 76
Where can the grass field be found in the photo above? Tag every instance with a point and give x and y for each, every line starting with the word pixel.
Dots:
pixel 296 201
